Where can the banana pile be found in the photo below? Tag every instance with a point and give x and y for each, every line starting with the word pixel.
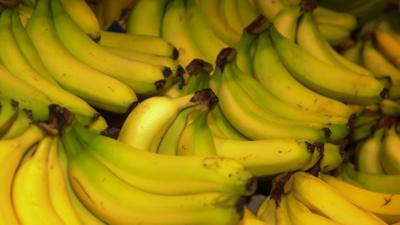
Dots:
pixel 182 112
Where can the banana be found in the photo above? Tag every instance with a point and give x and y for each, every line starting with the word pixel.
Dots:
pixel 390 107
pixel 338 83
pixel 385 206
pixel 361 133
pixel 117 202
pixel 326 200
pixel 277 80
pixel 217 22
pixel 220 126
pixel 147 123
pixel 141 77
pixel 389 45
pixel 332 157
pixel 300 214
pixel 8 114
pixel 57 188
pixel 83 213
pixel 202 33
pixel 270 103
pixel 196 137
pixel 230 13
pixel 266 157
pixel 27 96
pixel 327 16
pixel 368 153
pixel 21 123
pixel 269 8
pixel 163 174
pixel 28 49
pixel 11 153
pixel 334 35
pixel 282 212
pixel 17 64
pixel 374 182
pixel 160 61
pixel 250 219
pixel 247 11
pixel 266 212
pixel 83 16
pixel 95 87
pixel 256 123
pixel 169 142
pixel 176 30
pixel 381 67
pixel 138 42
pixel 145 18
pixel 30 192
pixel 286 22
pixel 310 38
pixel 389 157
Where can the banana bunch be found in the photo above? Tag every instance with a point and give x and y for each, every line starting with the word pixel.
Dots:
pixel 302 198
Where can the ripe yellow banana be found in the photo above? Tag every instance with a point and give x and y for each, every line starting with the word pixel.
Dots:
pixel 368 153
pixel 21 123
pixel 385 206
pixel 389 45
pixel 8 114
pixel 282 213
pixel 11 153
pixel 389 156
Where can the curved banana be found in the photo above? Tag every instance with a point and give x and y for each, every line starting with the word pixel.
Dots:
pixel 217 22
pixel 28 49
pixel 83 213
pixel 21 123
pixel 117 202
pixel 138 42
pixel 95 87
pixel 390 107
pixel 17 64
pixel 338 83
pixel 221 127
pixel 176 30
pixel 169 142
pixel 354 53
pixel 8 114
pixel 300 214
pixel 385 206
pixel 196 137
pixel 282 213
pixel 334 35
pixel 146 16
pixel 326 200
pixel 230 13
pixel 368 153
pixel 266 157
pixel 374 182
pixel 247 11
pixel 279 82
pixel 27 96
pixel 147 123
pixel 381 67
pixel 164 174
pixel 389 45
pixel 83 16
pixel 30 192
pixel 202 33
pixel 286 22
pixel 11 153
pixel 266 212
pixel 57 188
pixel 325 15
pixel 141 77
pixel 270 8
pixel 250 219
pixel 389 156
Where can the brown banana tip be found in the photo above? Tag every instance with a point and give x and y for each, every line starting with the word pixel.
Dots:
pixel 197 66
pixel 111 132
pixel 225 56
pixel 351 120
pixel 213 102
pixel 384 93
pixel 28 113
pixel 251 185
pixel 203 96
pixel 279 186
pixel 14 104
pixel 308 5
pixel 160 84
pixel 310 147
pixel 175 53
pixel 320 147
pixel 180 71
pixel 59 119
pixel 327 132
pixel 258 25
pixel 240 205
pixel 167 72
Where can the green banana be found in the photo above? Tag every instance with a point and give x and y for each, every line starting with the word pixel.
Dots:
pixel 163 174
pixel 122 203
pixel 146 16
pixel 247 11
pixel 338 83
